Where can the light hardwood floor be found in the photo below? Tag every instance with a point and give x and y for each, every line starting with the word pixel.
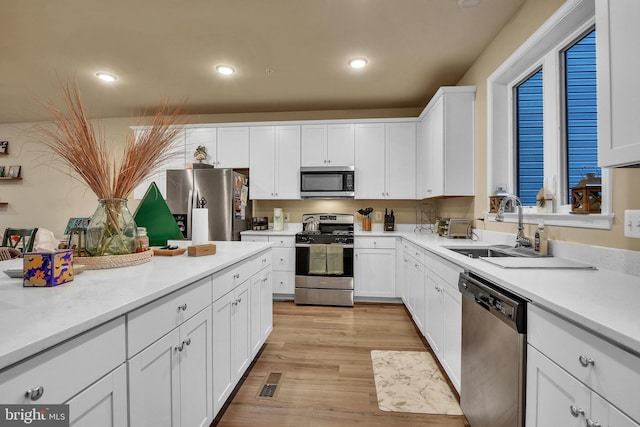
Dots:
pixel 324 354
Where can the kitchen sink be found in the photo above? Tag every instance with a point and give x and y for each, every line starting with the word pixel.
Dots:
pixel 505 256
pixel 493 251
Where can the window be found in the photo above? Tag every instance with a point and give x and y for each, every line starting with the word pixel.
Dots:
pixel 581 122
pixel 541 119
pixel 529 138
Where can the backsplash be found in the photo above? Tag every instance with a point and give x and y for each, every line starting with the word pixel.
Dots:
pixel 404 210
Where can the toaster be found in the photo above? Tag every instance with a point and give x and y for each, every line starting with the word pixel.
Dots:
pixel 455 228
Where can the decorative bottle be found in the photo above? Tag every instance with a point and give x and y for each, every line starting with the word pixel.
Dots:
pixel 540 241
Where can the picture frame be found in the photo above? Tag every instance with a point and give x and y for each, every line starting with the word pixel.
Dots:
pixel 1 171
pixel 75 224
pixel 14 171
pixel 4 147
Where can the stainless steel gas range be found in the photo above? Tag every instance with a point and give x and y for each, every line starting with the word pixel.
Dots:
pixel 324 260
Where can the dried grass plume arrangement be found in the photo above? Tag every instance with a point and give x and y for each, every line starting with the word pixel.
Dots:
pixel 75 143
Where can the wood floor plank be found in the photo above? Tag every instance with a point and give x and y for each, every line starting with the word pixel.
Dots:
pixel 325 356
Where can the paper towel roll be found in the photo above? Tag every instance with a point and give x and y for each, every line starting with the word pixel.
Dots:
pixel 199 226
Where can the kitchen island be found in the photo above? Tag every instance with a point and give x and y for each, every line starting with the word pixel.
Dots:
pixel 58 344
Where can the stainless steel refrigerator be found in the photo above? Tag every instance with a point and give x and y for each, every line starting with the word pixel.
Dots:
pixel 227 198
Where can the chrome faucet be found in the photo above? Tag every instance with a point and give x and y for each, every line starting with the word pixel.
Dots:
pixel 521 240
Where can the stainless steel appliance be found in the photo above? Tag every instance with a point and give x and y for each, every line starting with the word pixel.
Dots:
pixel 327 182
pixel 493 354
pixel 226 193
pixel 324 260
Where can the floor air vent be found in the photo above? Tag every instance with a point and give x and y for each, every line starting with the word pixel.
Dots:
pixel 270 386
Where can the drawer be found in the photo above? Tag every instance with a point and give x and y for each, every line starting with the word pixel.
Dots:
pixel 254 238
pixel 284 259
pixel 284 282
pixel 65 370
pixel 447 271
pixel 367 242
pixel 150 322
pixel 414 251
pixel 283 241
pixel 231 277
pixel 261 261
pixel 610 371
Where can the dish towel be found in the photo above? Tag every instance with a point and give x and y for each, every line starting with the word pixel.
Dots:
pixel 318 259
pixel 335 264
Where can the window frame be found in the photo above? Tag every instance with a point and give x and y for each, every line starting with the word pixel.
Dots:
pixel 542 50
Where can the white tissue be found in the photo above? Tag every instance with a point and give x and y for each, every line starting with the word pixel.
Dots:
pixel 199 226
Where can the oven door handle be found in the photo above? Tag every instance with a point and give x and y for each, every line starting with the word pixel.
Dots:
pixel 306 245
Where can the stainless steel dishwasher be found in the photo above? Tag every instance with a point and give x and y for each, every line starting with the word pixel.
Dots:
pixel 492 390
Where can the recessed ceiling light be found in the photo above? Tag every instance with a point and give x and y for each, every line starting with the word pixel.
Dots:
pixel 358 62
pixel 225 69
pixel 106 77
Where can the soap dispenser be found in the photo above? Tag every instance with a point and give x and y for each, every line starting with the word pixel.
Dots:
pixel 540 241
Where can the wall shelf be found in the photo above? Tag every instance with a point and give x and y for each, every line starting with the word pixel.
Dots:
pixel 9 178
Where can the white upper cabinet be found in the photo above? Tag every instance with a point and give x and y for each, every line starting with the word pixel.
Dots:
pixel 274 166
pixel 385 160
pixel 227 147
pixel 328 145
pixel 618 84
pixel 233 147
pixel 400 160
pixel 446 144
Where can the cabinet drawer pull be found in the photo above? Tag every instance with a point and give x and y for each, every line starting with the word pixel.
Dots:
pixel 591 423
pixel 576 412
pixel 182 344
pixel 586 361
pixel 34 393
pixel 236 276
pixel 182 307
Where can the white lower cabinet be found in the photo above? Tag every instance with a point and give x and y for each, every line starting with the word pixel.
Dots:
pixel 575 378
pixel 375 267
pixel 82 371
pixel 284 260
pixel 170 382
pixel 261 309
pixel 104 404
pixel 231 348
pixel 416 293
pixel 411 274
pixel 443 327
pixel 554 397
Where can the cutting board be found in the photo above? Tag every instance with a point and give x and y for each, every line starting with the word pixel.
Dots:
pixel 169 252
pixel 537 263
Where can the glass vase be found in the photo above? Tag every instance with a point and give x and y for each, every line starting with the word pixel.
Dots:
pixel 112 229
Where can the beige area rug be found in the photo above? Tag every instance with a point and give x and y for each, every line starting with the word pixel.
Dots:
pixel 410 381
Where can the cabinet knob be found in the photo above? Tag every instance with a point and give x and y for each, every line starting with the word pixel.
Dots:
pixel 182 307
pixel 591 423
pixel 236 276
pixel 34 393
pixel 576 412
pixel 586 361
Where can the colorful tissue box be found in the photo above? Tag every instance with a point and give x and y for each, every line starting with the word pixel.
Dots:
pixel 47 268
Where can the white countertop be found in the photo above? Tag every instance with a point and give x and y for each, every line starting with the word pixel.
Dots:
pixel 33 319
pixel 603 301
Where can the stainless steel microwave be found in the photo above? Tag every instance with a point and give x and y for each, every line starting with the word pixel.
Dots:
pixel 327 182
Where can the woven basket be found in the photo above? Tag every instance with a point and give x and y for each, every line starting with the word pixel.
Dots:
pixel 114 261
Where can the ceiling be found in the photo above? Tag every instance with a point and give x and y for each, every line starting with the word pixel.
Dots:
pixel 289 55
